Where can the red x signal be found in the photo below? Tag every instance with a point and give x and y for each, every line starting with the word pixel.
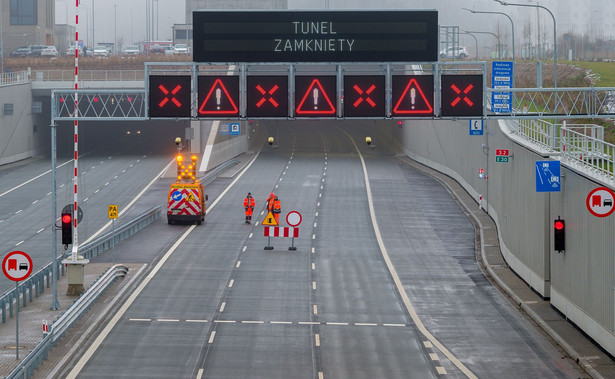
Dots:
pixel 465 93
pixel 367 98
pixel 167 92
pixel 269 97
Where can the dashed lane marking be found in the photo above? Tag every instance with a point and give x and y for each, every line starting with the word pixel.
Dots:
pixel 40 230
pixel 313 236
pixel 200 374
pixel 19 211
pixel 19 243
pixel 441 370
pixel 253 322
pixel 365 324
pixel 251 234
pixel 316 214
pixel 212 336
pixel 167 320
pixel 35 201
pixel 317 339
pixel 393 324
pixel 338 323
pixel 140 319
pixel 313 251
pixel 315 309
pixel 313 285
pixel 427 344
pixel 197 321
pixel 230 284
pixel 238 264
pixel 315 224
pixel 244 248
pixel 224 321
pixel 434 357
pixel 222 307
pixel 281 322
pixel 308 323
pixel 321 375
pixel 313 266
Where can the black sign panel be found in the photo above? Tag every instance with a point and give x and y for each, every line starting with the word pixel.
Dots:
pixel 267 96
pixel 169 96
pixel 218 96
pixel 315 36
pixel 462 95
pixel 315 96
pixel 412 96
pixel 364 96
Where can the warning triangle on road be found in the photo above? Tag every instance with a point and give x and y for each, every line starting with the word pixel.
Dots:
pixel 270 220
pixel 413 102
pixel 315 101
pixel 218 101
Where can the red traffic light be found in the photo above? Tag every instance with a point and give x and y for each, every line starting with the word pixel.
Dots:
pixel 558 225
pixel 66 219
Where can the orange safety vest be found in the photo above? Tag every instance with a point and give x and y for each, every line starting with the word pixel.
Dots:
pixel 248 204
pixel 270 201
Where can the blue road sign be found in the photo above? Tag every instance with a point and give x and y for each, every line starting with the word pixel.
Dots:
pixel 176 195
pixel 548 178
pixel 476 127
pixel 235 130
pixel 501 78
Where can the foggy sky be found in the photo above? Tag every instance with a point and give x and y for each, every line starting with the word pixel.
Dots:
pixel 593 16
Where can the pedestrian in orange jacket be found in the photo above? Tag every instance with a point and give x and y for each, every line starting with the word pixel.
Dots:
pixel 248 204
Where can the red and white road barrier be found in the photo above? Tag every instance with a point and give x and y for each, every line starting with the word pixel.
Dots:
pixel 280 231
pixel 45 328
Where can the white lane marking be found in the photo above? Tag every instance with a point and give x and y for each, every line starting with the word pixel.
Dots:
pixel 107 183
pixel 62 185
pixel 1 220
pixel 284 173
pixel 36 201
pixel 316 214
pixel 115 177
pixel 317 339
pixel 276 186
pixel 225 321
pixel 262 213
pixel 123 171
pixel 212 336
pixel 19 211
pixel 313 236
pixel 434 357
pixel 230 284
pixel 251 234
pixel 167 320
pixel 324 174
pixel 441 370
pixel 19 243
pixel 394 325
pixel 244 248
pixel 318 204
pixel 140 319
pixel 315 224
pixel 200 374
pixel 308 323
pixel 41 229
pixel 400 288
pixel 222 307
pixel 321 187
pixel 105 332
pixel 238 264
pixel 427 344
pixel 48 193
pixel 197 321
pixel 320 195
pixel 97 191
pixel 281 322
pixel 313 266
pixel 313 250
pixel 31 180
pixel 321 375
pixel 315 309
pixel 138 160
pixel 256 223
pixel 91 168
pixel 313 285
pixel 337 323
pixel 129 166
pixel 280 179
pixel 84 200
pixel 365 324
pixel 101 162
pixel 323 180
pixel 253 322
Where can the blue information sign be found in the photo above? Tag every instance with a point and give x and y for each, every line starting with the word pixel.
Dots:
pixel 476 127
pixel 548 176
pixel 501 78
pixel 235 130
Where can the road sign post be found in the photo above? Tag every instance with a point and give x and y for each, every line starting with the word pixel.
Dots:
pixel 113 215
pixel 293 218
pixel 17 266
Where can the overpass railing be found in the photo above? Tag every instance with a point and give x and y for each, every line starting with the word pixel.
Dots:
pixel 583 147
pixel 17 77
pixel 87 75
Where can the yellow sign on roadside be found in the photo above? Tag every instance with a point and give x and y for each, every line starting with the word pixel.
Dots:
pixel 270 220
pixel 112 211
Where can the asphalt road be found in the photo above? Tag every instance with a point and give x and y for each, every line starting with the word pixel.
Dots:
pixel 218 305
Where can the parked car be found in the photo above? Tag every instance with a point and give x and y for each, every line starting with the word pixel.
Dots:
pixel 182 48
pixel 454 52
pixel 36 50
pixel 88 52
pixel 156 49
pixel 50 52
pixel 169 50
pixel 131 50
pixel 21 52
pixel 70 51
pixel 101 51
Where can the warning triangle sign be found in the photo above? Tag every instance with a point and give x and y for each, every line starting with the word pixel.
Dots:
pixel 315 101
pixel 270 220
pixel 218 101
pixel 413 100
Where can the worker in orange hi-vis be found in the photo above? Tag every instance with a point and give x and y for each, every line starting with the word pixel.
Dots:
pixel 269 202
pixel 248 204
pixel 277 209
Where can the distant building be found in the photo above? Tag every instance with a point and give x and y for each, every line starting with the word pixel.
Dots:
pixel 182 33
pixel 27 22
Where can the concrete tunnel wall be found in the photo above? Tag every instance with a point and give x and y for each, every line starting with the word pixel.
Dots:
pixel 579 282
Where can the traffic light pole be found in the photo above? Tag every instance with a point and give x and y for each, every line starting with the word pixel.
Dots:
pixel 55 305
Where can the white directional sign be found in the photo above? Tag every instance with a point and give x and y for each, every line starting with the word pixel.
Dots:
pixel 600 202
pixel 17 266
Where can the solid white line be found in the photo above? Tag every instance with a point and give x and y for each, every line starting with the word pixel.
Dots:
pixel 281 322
pixel 200 374
pixel 212 336
pixel 40 230
pixel 140 319
pixel 317 339
pixel 230 284
pixel 105 332
pixel 222 307
pixel 199 321
pixel 400 288
pixel 31 180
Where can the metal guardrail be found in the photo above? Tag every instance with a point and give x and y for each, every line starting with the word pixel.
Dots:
pixel 25 369
pixel 35 284
pixel 88 75
pixel 18 77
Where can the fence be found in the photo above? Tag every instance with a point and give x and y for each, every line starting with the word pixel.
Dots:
pixel 18 77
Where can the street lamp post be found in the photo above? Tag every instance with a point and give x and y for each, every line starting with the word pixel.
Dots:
pixel 554 33
pixel 511 24
pixel 493 34
pixel 475 41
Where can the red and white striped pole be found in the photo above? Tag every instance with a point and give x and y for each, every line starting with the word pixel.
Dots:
pixel 75 177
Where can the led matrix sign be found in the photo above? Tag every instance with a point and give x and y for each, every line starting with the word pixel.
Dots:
pixel 315 36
